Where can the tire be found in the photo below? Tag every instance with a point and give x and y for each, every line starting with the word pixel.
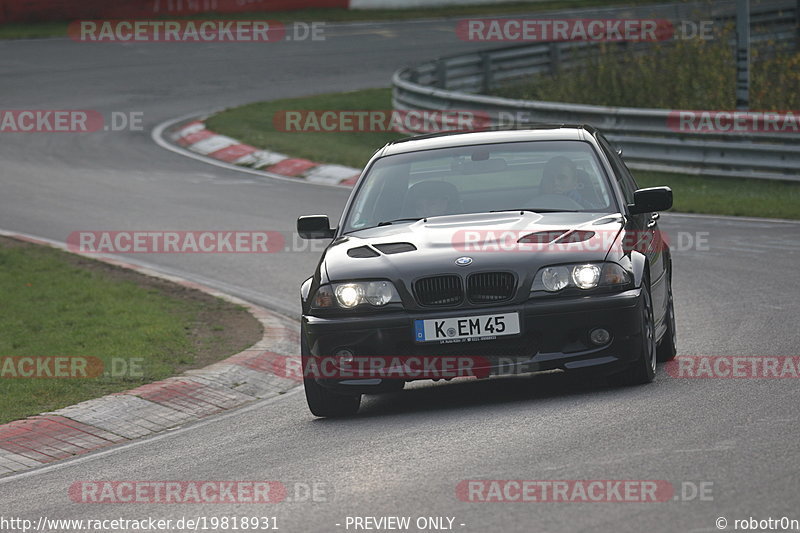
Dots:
pixel 321 401
pixel 643 369
pixel 668 347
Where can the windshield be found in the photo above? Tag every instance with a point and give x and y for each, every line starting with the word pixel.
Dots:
pixel 536 176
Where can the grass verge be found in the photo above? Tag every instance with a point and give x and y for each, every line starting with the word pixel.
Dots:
pixel 59 29
pixel 59 304
pixel 727 196
pixel 254 124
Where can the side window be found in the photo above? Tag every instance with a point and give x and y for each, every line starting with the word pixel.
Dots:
pixel 627 177
pixel 624 178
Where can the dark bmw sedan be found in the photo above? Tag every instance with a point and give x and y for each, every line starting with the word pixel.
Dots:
pixel 487 253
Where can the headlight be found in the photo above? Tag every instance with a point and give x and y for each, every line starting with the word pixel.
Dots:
pixel 349 295
pixel 352 294
pixel 581 276
pixel 379 293
pixel 555 278
pixel 586 276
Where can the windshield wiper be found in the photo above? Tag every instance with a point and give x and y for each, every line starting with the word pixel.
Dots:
pixel 390 222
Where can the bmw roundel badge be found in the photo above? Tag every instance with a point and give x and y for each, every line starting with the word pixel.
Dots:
pixel 464 261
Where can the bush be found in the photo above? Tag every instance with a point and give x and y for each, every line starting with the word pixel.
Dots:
pixel 681 74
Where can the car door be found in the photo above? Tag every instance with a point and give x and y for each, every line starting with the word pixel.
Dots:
pixel 648 238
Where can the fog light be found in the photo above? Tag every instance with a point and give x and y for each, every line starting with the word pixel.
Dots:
pixel 599 336
pixel 344 356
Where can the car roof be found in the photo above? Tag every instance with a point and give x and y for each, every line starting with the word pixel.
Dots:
pixel 539 132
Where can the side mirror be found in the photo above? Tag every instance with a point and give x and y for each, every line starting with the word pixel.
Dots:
pixel 314 227
pixel 651 200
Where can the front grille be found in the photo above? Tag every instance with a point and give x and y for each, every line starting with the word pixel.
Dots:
pixel 439 291
pixel 490 287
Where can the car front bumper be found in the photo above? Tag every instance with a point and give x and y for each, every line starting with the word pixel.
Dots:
pixel 554 335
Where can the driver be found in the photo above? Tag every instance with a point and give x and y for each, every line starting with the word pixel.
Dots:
pixel 432 198
pixel 431 206
pixel 560 176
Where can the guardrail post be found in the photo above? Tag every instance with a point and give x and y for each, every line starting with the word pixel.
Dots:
pixel 486 72
pixel 797 25
pixel 555 58
pixel 743 54
pixel 441 73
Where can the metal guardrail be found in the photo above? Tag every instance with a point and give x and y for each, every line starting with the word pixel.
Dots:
pixel 649 143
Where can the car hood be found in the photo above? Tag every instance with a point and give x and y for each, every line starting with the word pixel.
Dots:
pixel 406 251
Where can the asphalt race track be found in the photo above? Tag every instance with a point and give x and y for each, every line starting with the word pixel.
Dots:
pixel 736 294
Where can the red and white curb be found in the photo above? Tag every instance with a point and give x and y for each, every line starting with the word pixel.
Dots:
pixel 78 429
pixel 195 137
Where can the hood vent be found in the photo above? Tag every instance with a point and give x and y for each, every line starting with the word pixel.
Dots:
pixel 362 252
pixel 390 248
pixel 607 220
pixel 395 247
pixel 542 237
pixel 576 236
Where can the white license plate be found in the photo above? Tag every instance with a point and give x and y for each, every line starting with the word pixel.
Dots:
pixel 469 327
